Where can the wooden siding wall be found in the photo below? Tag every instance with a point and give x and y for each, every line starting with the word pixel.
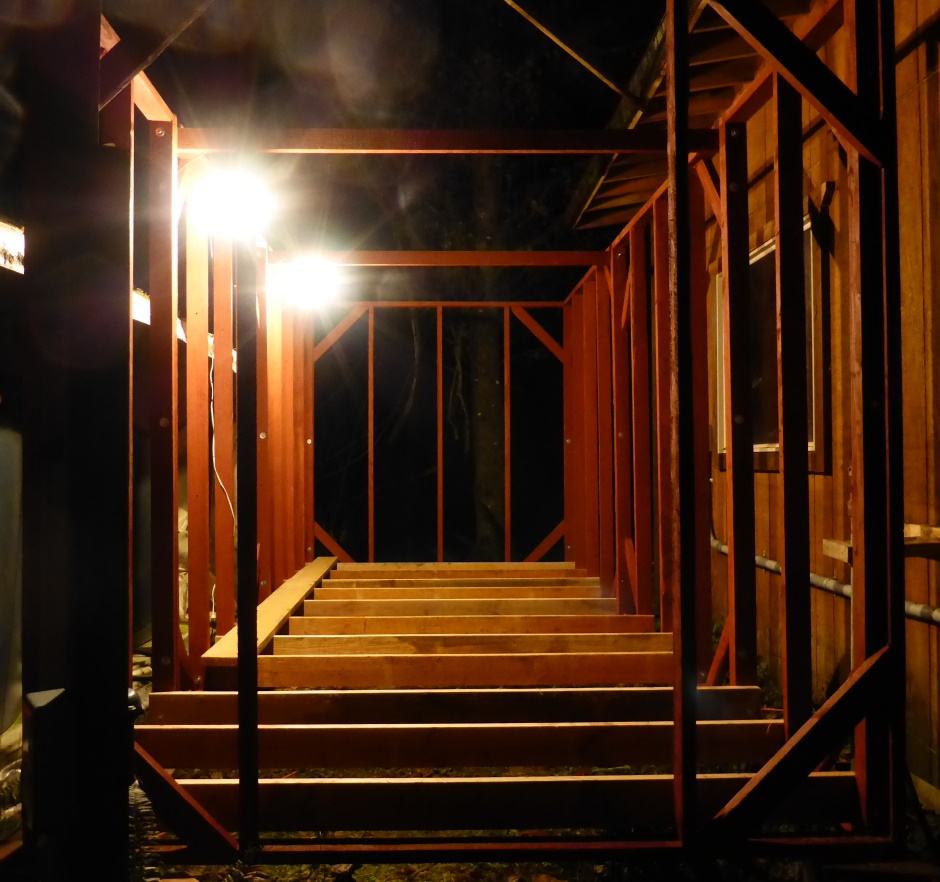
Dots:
pixel 826 200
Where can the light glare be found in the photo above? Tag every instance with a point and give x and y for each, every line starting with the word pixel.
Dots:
pixel 235 203
pixel 309 283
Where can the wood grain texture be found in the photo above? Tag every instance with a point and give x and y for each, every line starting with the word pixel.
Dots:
pixel 471 624
pixel 422 671
pixel 332 707
pixel 273 612
pixel 478 607
pixel 449 745
pixel 408 644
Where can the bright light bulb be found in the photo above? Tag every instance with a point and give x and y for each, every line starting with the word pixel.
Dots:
pixel 233 202
pixel 309 282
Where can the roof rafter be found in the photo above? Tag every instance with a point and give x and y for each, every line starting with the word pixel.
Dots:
pixel 436 141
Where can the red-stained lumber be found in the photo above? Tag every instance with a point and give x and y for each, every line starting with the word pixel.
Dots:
pixel 588 376
pixel 507 441
pixel 546 544
pixel 265 491
pixel 549 342
pixel 605 432
pixel 223 435
pixel 339 329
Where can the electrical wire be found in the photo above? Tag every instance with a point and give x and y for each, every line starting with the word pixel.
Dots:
pixel 215 468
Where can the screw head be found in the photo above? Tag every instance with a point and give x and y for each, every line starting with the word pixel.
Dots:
pixel 160 132
pixel 567 440
pixel 263 435
pixel 264 583
pixel 310 440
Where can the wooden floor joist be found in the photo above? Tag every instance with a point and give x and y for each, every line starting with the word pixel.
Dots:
pixel 451 624
pixel 335 707
pixel 496 669
pixel 459 745
pixel 620 803
pixel 424 644
pixel 468 607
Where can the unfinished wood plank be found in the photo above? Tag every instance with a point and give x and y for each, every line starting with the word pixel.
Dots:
pixel 273 612
pixel 394 746
pixel 328 592
pixel 349 569
pixel 502 803
pixel 495 624
pixel 335 581
pixel 446 671
pixel 406 643
pixel 322 706
pixel 474 607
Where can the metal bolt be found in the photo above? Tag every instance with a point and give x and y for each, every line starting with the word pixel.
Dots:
pixel 309 551
pixel 160 132
pixel 567 440
pixel 263 435
pixel 310 440
pixel 568 547
pixel 164 422
pixel 264 583
pixel 619 434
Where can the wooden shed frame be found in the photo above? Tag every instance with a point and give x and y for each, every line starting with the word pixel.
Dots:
pixel 76 568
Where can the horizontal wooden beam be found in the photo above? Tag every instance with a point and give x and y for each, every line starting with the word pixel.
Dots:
pixel 464 624
pixel 454 671
pixel 806 72
pixel 469 607
pixel 434 571
pixel 408 643
pixel 460 745
pixel 342 579
pixel 297 707
pixel 436 141
pixel 359 589
pixel 497 567
pixel 452 258
pixel 500 803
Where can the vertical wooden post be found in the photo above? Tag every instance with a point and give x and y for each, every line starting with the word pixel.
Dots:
pixel 197 434
pixel 640 395
pixel 623 452
pixel 223 427
pixel 739 450
pixel 792 526
pixel 877 496
pixel 664 332
pixel 576 527
pixel 249 307
pixel 605 432
pixel 568 406
pixel 698 320
pixel 309 376
pixel 590 508
pixel 275 432
pixel 76 441
pixel 371 476
pixel 164 403
pixel 683 398
pixel 507 441
pixel 286 439
pixel 440 433
pixel 297 428
pixel 263 444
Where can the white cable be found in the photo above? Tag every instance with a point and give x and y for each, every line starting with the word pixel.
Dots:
pixel 215 468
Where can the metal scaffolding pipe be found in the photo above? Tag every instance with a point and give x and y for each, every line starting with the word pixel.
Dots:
pixel 920 612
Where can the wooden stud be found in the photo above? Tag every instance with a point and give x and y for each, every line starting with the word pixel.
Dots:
pixel 739 455
pixel 640 399
pixel 197 433
pixel 223 436
pixel 164 402
pixel 589 382
pixel 507 440
pixel 263 444
pixel 666 443
pixel 682 394
pixel 605 433
pixel 439 362
pixel 793 494
pixel 309 384
pixel 623 454
pixel 371 438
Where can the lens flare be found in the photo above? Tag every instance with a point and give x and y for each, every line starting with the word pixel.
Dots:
pixel 233 202
pixel 309 282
